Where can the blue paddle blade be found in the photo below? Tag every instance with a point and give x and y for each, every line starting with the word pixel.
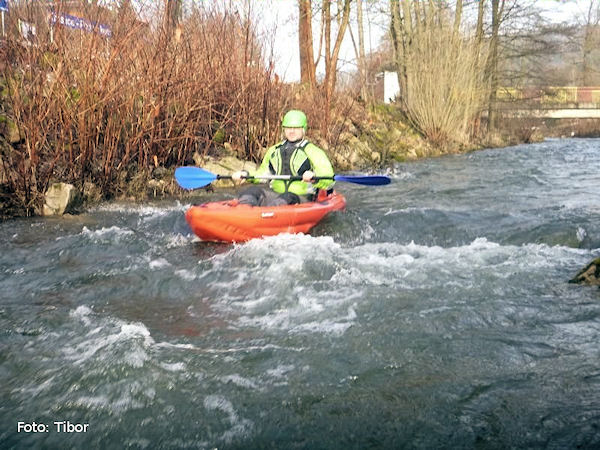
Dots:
pixel 193 177
pixel 367 180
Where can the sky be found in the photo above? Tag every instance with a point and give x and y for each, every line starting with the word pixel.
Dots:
pixel 563 10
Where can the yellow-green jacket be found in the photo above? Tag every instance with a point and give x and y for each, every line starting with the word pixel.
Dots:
pixel 305 156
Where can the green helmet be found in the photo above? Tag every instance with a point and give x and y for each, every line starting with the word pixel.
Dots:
pixel 294 119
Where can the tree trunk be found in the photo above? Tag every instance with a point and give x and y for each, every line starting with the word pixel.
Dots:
pixel 589 45
pixel 493 65
pixel 407 17
pixel 173 11
pixel 332 56
pixel 458 16
pixel 331 60
pixel 327 24
pixel 586 53
pixel 362 63
pixel 479 32
pixel 398 37
pixel 305 38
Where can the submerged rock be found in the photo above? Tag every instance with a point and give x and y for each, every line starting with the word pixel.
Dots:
pixel 589 275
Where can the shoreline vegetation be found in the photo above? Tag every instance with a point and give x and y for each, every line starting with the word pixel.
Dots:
pixel 114 117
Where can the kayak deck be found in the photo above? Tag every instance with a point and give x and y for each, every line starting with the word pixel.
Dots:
pixel 231 221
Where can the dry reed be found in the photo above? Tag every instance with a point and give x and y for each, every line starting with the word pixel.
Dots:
pixel 91 108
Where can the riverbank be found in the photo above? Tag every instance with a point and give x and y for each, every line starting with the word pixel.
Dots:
pixel 370 145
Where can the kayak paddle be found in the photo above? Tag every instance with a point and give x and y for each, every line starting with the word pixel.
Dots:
pixel 191 177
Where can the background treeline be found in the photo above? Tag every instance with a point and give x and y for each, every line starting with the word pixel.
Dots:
pixel 459 62
pixel 184 80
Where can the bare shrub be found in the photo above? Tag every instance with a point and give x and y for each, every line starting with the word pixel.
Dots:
pixel 441 77
pixel 96 109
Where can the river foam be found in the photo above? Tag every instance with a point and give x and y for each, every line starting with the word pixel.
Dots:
pixel 304 284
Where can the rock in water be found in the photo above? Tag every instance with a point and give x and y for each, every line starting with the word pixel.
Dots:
pixel 60 198
pixel 589 275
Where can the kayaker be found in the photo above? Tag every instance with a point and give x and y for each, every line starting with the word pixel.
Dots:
pixel 294 156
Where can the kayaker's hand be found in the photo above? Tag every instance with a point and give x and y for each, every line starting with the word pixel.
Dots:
pixel 308 176
pixel 239 176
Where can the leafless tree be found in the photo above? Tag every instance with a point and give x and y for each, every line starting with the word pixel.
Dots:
pixel 439 69
pixel 308 67
pixel 590 22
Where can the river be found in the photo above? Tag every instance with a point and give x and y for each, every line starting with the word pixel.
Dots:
pixel 433 313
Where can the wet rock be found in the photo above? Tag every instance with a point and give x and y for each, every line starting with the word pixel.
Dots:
pixel 589 275
pixel 351 153
pixel 411 153
pixel 60 198
pixel 156 187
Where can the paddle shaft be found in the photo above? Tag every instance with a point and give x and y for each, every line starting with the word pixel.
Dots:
pixel 274 177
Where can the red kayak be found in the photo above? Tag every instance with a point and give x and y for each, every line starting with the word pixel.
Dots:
pixel 230 221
